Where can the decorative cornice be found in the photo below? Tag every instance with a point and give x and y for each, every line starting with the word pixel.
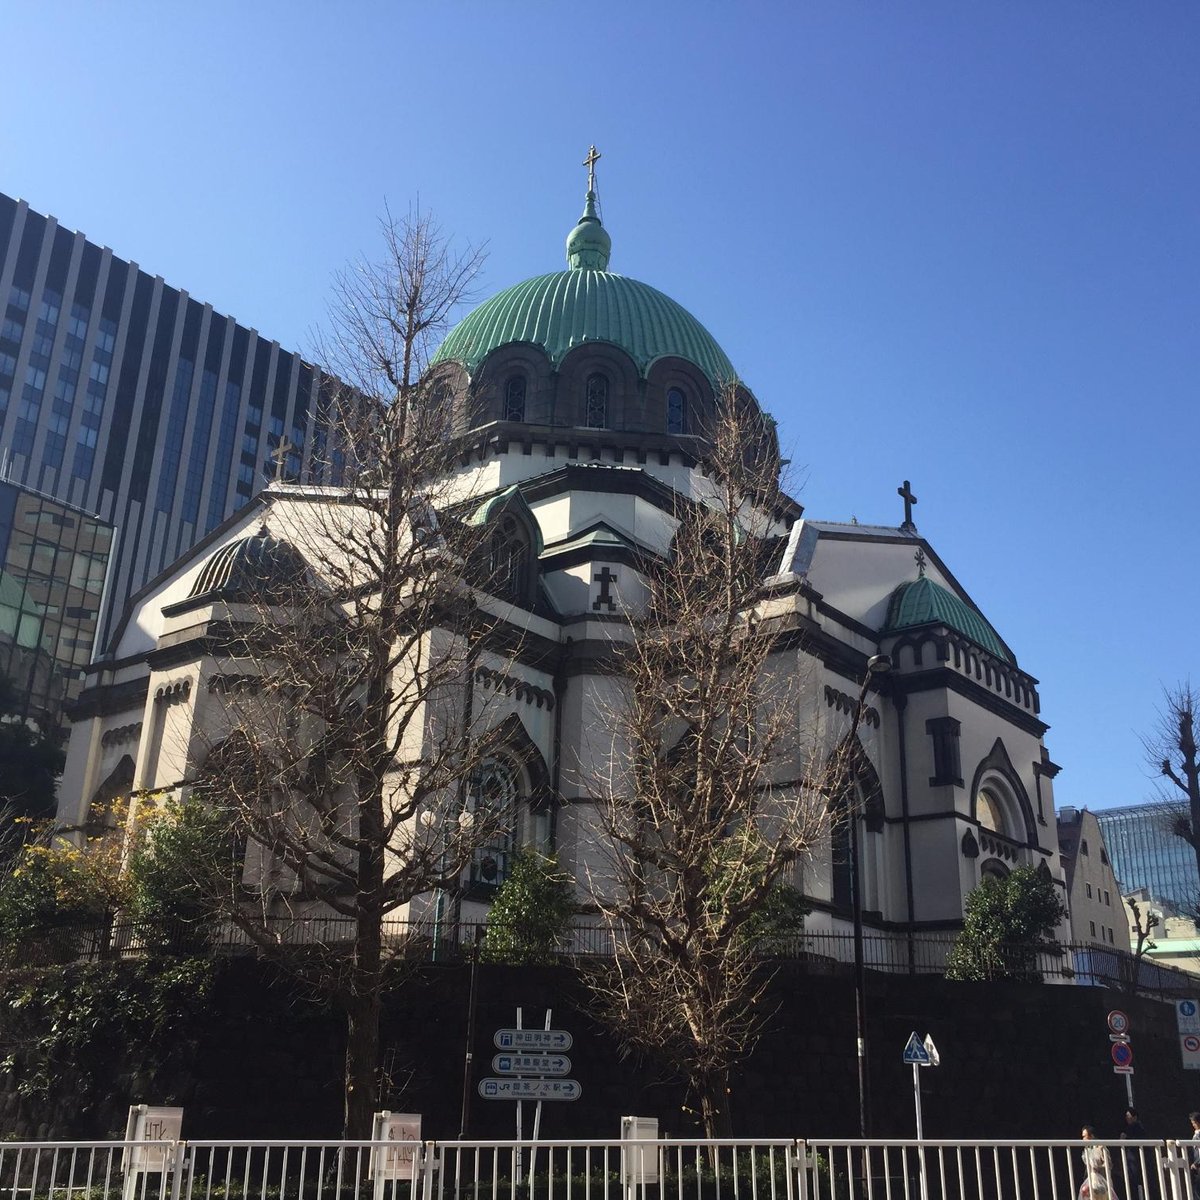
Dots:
pixel 1045 767
pixel 845 704
pixel 120 734
pixel 999 847
pixel 174 692
pixel 1004 678
pixel 502 681
pixel 949 679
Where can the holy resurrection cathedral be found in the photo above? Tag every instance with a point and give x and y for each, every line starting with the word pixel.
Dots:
pixel 595 389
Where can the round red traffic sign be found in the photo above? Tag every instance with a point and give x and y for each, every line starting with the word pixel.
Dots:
pixel 1118 1022
pixel 1191 1043
pixel 1122 1054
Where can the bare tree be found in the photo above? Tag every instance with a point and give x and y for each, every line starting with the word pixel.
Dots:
pixel 1143 926
pixel 713 799
pixel 1172 752
pixel 346 738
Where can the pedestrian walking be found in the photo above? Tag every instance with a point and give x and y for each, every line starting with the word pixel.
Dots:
pixel 1134 1174
pixel 1097 1170
pixel 1194 1153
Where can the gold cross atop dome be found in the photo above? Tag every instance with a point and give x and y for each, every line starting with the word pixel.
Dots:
pixel 593 157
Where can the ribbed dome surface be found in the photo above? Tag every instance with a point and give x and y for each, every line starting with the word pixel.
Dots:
pixel 567 308
pixel 260 568
pixel 923 602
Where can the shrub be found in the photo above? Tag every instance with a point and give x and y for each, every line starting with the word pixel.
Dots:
pixel 1008 921
pixel 179 867
pixel 531 912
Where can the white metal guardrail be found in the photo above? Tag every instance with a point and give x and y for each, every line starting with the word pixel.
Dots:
pixel 1000 1170
pixel 663 1169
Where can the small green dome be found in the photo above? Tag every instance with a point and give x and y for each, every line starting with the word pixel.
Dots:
pixel 587 303
pixel 588 244
pixel 923 602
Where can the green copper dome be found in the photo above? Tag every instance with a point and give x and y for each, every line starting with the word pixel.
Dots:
pixel 923 602
pixel 587 304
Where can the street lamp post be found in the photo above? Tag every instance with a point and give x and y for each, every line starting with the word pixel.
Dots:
pixel 879 664
pixel 427 819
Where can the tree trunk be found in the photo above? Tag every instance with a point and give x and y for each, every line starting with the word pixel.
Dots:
pixel 362 1064
pixel 363 1006
pixel 714 1104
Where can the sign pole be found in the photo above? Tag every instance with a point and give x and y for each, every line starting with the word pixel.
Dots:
pixel 537 1112
pixel 468 1059
pixel 920 1054
pixel 519 1155
pixel 537 1125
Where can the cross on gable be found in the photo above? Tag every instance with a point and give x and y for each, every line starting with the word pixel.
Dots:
pixel 919 558
pixel 906 494
pixel 593 157
pixel 605 579
pixel 280 454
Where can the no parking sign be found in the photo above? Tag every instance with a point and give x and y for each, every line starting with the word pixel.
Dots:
pixel 1189 1049
pixel 1187 1019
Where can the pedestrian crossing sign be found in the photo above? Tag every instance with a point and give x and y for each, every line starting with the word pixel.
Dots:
pixel 915 1051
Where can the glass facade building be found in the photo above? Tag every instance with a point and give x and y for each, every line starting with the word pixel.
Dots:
pixel 1147 853
pixel 127 398
pixel 53 563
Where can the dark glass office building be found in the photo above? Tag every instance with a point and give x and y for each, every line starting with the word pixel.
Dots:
pixel 1146 853
pixel 53 563
pixel 127 398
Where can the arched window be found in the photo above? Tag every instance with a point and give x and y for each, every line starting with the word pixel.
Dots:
pixel 989 811
pixel 508 561
pixel 676 411
pixel 431 411
pixel 849 806
pixel 514 398
pixel 496 792
pixel 841 865
pixel 101 815
pixel 992 868
pixel 595 409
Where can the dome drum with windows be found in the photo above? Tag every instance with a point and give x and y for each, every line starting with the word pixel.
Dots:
pixel 586 348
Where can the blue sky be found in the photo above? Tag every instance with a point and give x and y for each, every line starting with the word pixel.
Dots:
pixel 954 243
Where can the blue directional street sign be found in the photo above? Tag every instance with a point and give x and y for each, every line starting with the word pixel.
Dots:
pixel 530 1089
pixel 915 1052
pixel 535 1040
pixel 531 1064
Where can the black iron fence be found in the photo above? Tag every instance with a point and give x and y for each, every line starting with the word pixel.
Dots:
pixel 425 941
